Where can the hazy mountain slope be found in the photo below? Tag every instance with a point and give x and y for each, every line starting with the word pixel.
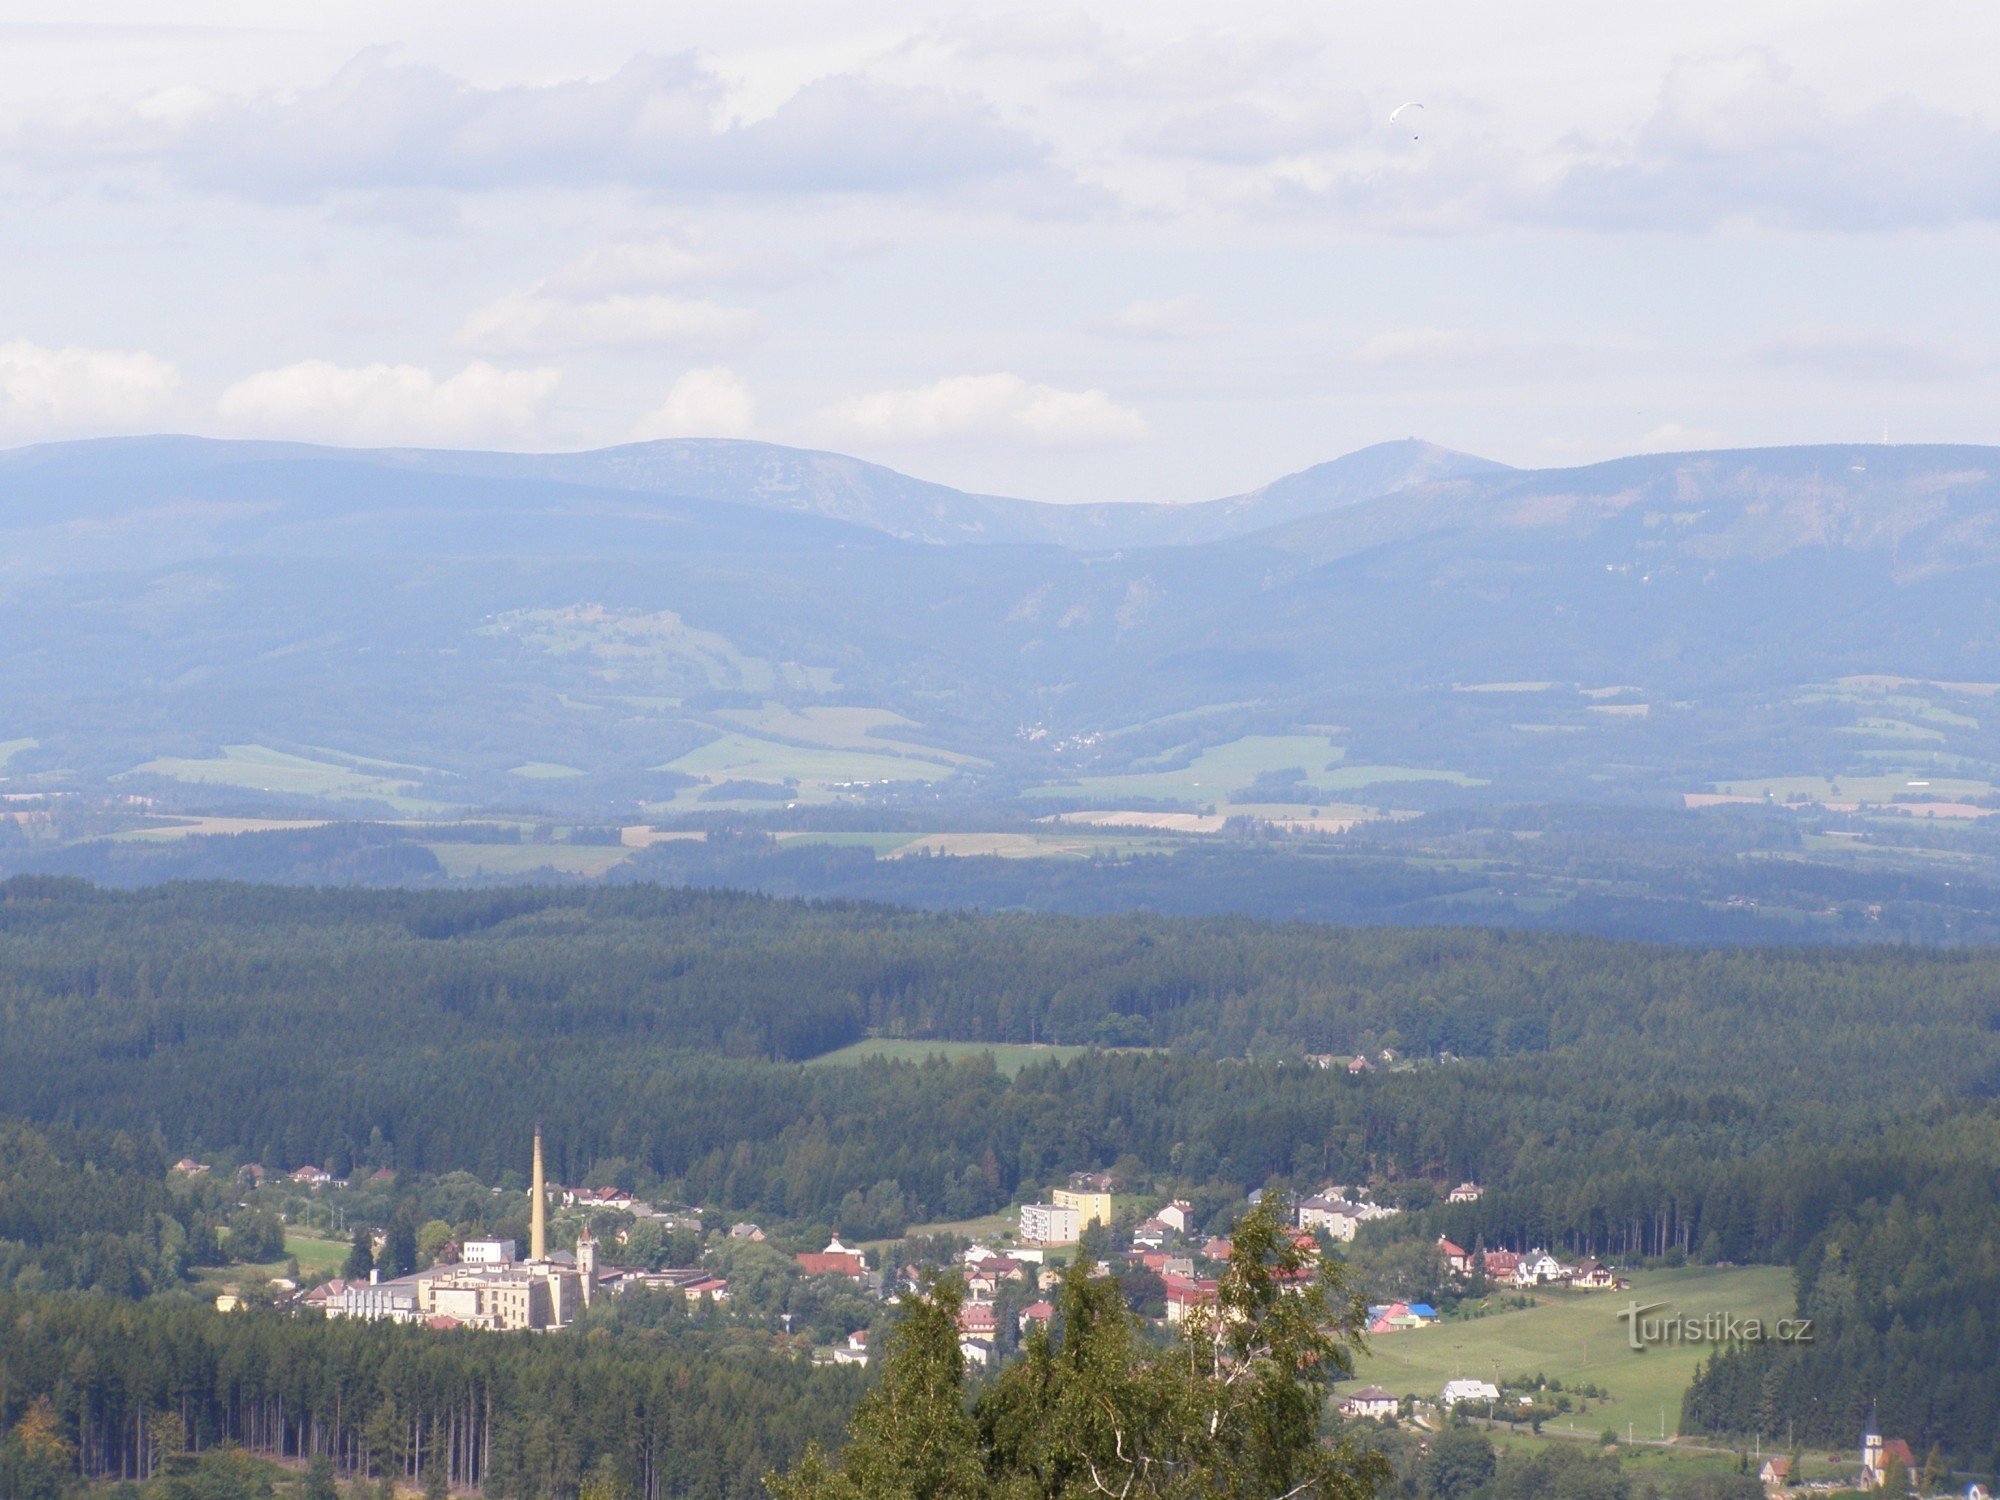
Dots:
pixel 171 598
pixel 146 500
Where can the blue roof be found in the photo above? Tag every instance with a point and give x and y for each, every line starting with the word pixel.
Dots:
pixel 1422 1310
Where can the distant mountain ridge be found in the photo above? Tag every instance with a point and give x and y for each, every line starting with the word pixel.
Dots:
pixel 199 474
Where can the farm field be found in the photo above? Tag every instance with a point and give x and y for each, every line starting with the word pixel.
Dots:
pixel 544 770
pixel 844 728
pixel 1220 770
pixel 815 773
pixel 1578 1337
pixel 1882 787
pixel 263 769
pixel 191 827
pixel 1008 1057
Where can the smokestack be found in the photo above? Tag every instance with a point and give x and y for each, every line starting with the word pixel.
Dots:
pixel 538 1219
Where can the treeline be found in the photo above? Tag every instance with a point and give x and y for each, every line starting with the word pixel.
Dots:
pixel 132 1385
pixel 1903 1287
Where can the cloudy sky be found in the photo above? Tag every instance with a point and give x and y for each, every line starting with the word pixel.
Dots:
pixel 1108 251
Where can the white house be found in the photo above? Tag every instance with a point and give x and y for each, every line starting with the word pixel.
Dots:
pixel 1369 1401
pixel 1177 1215
pixel 1538 1267
pixel 1336 1216
pixel 1049 1224
pixel 1465 1192
pixel 1456 1391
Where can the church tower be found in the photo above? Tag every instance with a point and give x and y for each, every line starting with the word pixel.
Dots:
pixel 538 1209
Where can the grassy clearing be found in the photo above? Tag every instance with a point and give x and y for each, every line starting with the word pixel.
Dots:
pixel 1217 772
pixel 194 827
pixel 1578 1337
pixel 631 647
pixel 872 729
pixel 316 1256
pixel 1008 1057
pixel 469 861
pixel 262 769
pixel 544 770
pixel 11 748
pixel 816 773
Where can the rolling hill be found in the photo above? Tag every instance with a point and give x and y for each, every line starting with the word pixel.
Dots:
pixel 705 624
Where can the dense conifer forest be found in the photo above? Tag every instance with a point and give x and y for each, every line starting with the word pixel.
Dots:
pixel 1827 1109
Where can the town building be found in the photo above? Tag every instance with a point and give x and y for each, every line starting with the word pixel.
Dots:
pixel 1091 1205
pixel 1456 1260
pixel 1177 1215
pixel 1465 1192
pixel 1336 1216
pixel 835 1260
pixel 1049 1224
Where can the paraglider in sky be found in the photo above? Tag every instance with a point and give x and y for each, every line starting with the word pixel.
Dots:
pixel 1411 109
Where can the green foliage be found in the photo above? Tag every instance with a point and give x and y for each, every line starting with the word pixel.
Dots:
pixel 1459 1463
pixel 1231 1411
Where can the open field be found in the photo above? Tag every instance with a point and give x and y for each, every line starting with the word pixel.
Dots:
pixel 544 770
pixel 1221 770
pixel 1008 1057
pixel 316 1256
pixel 1911 786
pixel 1578 1337
pixel 192 827
pixel 813 773
pixel 263 769
pixel 871 729
pixel 11 748
pixel 463 860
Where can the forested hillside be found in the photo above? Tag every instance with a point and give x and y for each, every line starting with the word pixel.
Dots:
pixel 1826 1108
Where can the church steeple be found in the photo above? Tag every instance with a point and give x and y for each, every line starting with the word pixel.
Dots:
pixel 538 1212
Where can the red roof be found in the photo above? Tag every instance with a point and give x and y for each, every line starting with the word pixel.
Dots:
pixel 1041 1312
pixel 977 1317
pixel 440 1321
pixel 1899 1450
pixel 1190 1293
pixel 1449 1250
pixel 821 1263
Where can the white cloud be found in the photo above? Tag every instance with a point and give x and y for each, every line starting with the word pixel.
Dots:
pixel 1742 138
pixel 1399 346
pixel 390 404
pixel 378 125
pixel 1858 354
pixel 712 402
pixel 71 390
pixel 1246 132
pixel 1174 318
pixel 537 321
pixel 1000 407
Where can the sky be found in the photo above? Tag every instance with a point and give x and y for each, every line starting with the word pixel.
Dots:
pixel 1158 251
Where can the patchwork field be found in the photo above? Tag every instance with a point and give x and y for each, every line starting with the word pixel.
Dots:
pixel 1218 771
pixel 840 728
pixel 263 769
pixel 1578 1337
pixel 809 773
pixel 1879 788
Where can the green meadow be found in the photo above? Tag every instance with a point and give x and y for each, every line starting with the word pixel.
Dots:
pixel 1577 1337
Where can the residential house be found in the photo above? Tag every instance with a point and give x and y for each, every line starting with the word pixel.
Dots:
pixel 312 1177
pixel 321 1297
pixel 1177 1215
pixel 1456 1391
pixel 1538 1268
pixel 1150 1235
pixel 187 1166
pixel 978 1320
pixel 1369 1401
pixel 1186 1293
pixel 1499 1265
pixel 1465 1192
pixel 1217 1249
pixel 1093 1182
pixel 854 1351
pixel 1456 1260
pixel 1776 1473
pixel 976 1351
pixel 746 1231
pixel 1359 1065
pixel 1594 1276
pixel 1035 1312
